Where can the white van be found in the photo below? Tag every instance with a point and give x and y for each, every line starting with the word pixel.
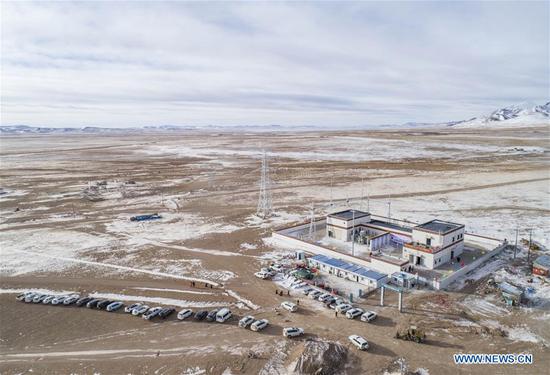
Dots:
pixel 223 315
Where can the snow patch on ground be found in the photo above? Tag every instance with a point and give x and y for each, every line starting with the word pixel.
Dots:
pixel 247 302
pixel 51 246
pixel 157 300
pixel 172 290
pixel 172 227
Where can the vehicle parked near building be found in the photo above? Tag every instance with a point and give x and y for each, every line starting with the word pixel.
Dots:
pixel 292 307
pixel 343 307
pixel 368 316
pixel 314 294
pixel 258 325
pixel 184 314
pixel 246 321
pixel 292 332
pixel 307 290
pixel 354 313
pixel 262 275
pixel 360 342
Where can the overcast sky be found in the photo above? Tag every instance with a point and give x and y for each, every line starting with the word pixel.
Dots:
pixel 311 63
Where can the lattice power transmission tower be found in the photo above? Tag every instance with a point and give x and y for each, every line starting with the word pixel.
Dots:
pixel 265 208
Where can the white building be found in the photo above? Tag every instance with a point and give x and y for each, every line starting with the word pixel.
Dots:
pixel 340 225
pixel 434 243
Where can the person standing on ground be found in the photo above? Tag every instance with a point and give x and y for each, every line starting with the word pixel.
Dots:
pixel 336 314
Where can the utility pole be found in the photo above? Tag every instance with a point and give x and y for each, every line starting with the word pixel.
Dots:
pixel 265 208
pixel 353 233
pixel 389 206
pixel 311 224
pixel 362 193
pixel 529 249
pixel 331 177
pixel 516 245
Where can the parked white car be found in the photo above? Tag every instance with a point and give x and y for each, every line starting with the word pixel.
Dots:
pixel 323 297
pixel 293 332
pixel 246 321
pixel 114 306
pixel 277 267
pixel 184 314
pixel 258 325
pixel 292 307
pixel 360 342
pixel 307 290
pixel 152 313
pixel 59 300
pixel 140 310
pixel 71 299
pixel 353 313
pixel 343 307
pixel 29 297
pixel 48 300
pixel 223 315
pixel 128 309
pixel 368 316
pixel 39 298
pixel 261 275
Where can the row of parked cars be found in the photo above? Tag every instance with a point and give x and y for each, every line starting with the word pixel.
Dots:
pixel 258 325
pixel 136 309
pixel 339 305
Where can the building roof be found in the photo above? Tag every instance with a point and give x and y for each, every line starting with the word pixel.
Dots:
pixel 390 226
pixel 348 267
pixel 348 214
pixel 510 289
pixel 439 226
pixel 543 261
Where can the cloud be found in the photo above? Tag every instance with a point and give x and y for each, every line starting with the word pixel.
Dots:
pixel 138 63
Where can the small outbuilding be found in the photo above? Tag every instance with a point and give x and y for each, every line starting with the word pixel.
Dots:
pixel 511 294
pixel 541 266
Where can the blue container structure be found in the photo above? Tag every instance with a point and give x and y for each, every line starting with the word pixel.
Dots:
pixel 145 217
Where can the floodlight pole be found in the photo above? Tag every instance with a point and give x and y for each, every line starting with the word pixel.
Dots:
pixel 516 245
pixel 353 233
pixel 529 249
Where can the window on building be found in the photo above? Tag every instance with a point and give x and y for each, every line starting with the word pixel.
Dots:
pixel 429 241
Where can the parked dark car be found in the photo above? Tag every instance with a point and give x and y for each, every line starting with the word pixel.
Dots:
pixel 211 316
pixel 200 315
pixel 82 301
pixel 103 304
pixel 93 303
pixel 165 313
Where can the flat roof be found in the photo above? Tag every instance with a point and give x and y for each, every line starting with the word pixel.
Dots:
pixel 543 260
pixel 349 267
pixel 439 226
pixel 385 224
pixel 348 214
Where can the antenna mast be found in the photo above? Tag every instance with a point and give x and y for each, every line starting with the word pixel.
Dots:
pixel 265 208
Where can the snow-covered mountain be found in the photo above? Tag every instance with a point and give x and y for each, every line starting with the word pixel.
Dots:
pixel 522 115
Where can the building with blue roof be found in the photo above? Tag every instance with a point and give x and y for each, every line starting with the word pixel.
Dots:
pixel 347 270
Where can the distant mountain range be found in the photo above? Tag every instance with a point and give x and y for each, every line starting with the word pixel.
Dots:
pixel 522 115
